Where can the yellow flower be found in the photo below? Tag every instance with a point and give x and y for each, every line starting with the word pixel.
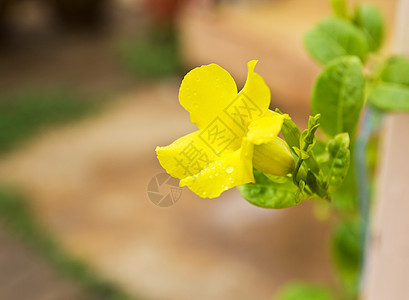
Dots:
pixel 236 131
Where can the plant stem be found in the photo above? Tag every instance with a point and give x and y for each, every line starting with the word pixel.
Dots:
pixel 370 124
pixel 298 166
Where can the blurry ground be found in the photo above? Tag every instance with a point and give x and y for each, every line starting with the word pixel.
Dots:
pixel 87 182
pixel 90 191
pixel 22 267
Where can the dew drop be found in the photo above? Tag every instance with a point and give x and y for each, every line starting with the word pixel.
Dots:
pixel 229 169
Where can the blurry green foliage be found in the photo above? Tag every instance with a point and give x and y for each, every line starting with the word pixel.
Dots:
pixel 21 116
pixel 340 8
pixel 304 291
pixel 333 38
pixel 390 97
pixel 346 243
pixel 391 93
pixel 153 55
pixel 345 198
pixel 15 214
pixel 396 70
pixel 358 34
pixel 373 154
pixel 27 112
pixel 343 43
pixel 369 19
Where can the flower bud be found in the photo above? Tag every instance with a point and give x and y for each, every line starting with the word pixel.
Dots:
pixel 274 158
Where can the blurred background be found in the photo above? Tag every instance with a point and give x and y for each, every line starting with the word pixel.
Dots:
pixel 88 89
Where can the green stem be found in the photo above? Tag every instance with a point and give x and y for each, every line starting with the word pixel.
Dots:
pixel 298 166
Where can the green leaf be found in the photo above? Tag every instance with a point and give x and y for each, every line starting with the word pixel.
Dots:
pixel 301 153
pixel 320 151
pixel 390 97
pixel 396 70
pixel 304 291
pixel 291 133
pixel 268 194
pixel 333 38
pixel 316 185
pixel 393 93
pixel 369 19
pixel 338 95
pixel 308 135
pixel 339 8
pixel 339 159
pixel 319 155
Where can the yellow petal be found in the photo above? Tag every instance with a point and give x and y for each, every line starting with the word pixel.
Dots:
pixel 186 156
pixel 205 92
pixel 266 128
pixel 250 104
pixel 257 92
pixel 230 170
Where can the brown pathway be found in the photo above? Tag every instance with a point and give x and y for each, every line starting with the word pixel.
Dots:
pixel 24 274
pixel 87 184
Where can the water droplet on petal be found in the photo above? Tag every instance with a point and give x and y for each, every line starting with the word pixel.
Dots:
pixel 229 169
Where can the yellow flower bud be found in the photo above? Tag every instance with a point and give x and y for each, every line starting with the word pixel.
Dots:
pixel 274 158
